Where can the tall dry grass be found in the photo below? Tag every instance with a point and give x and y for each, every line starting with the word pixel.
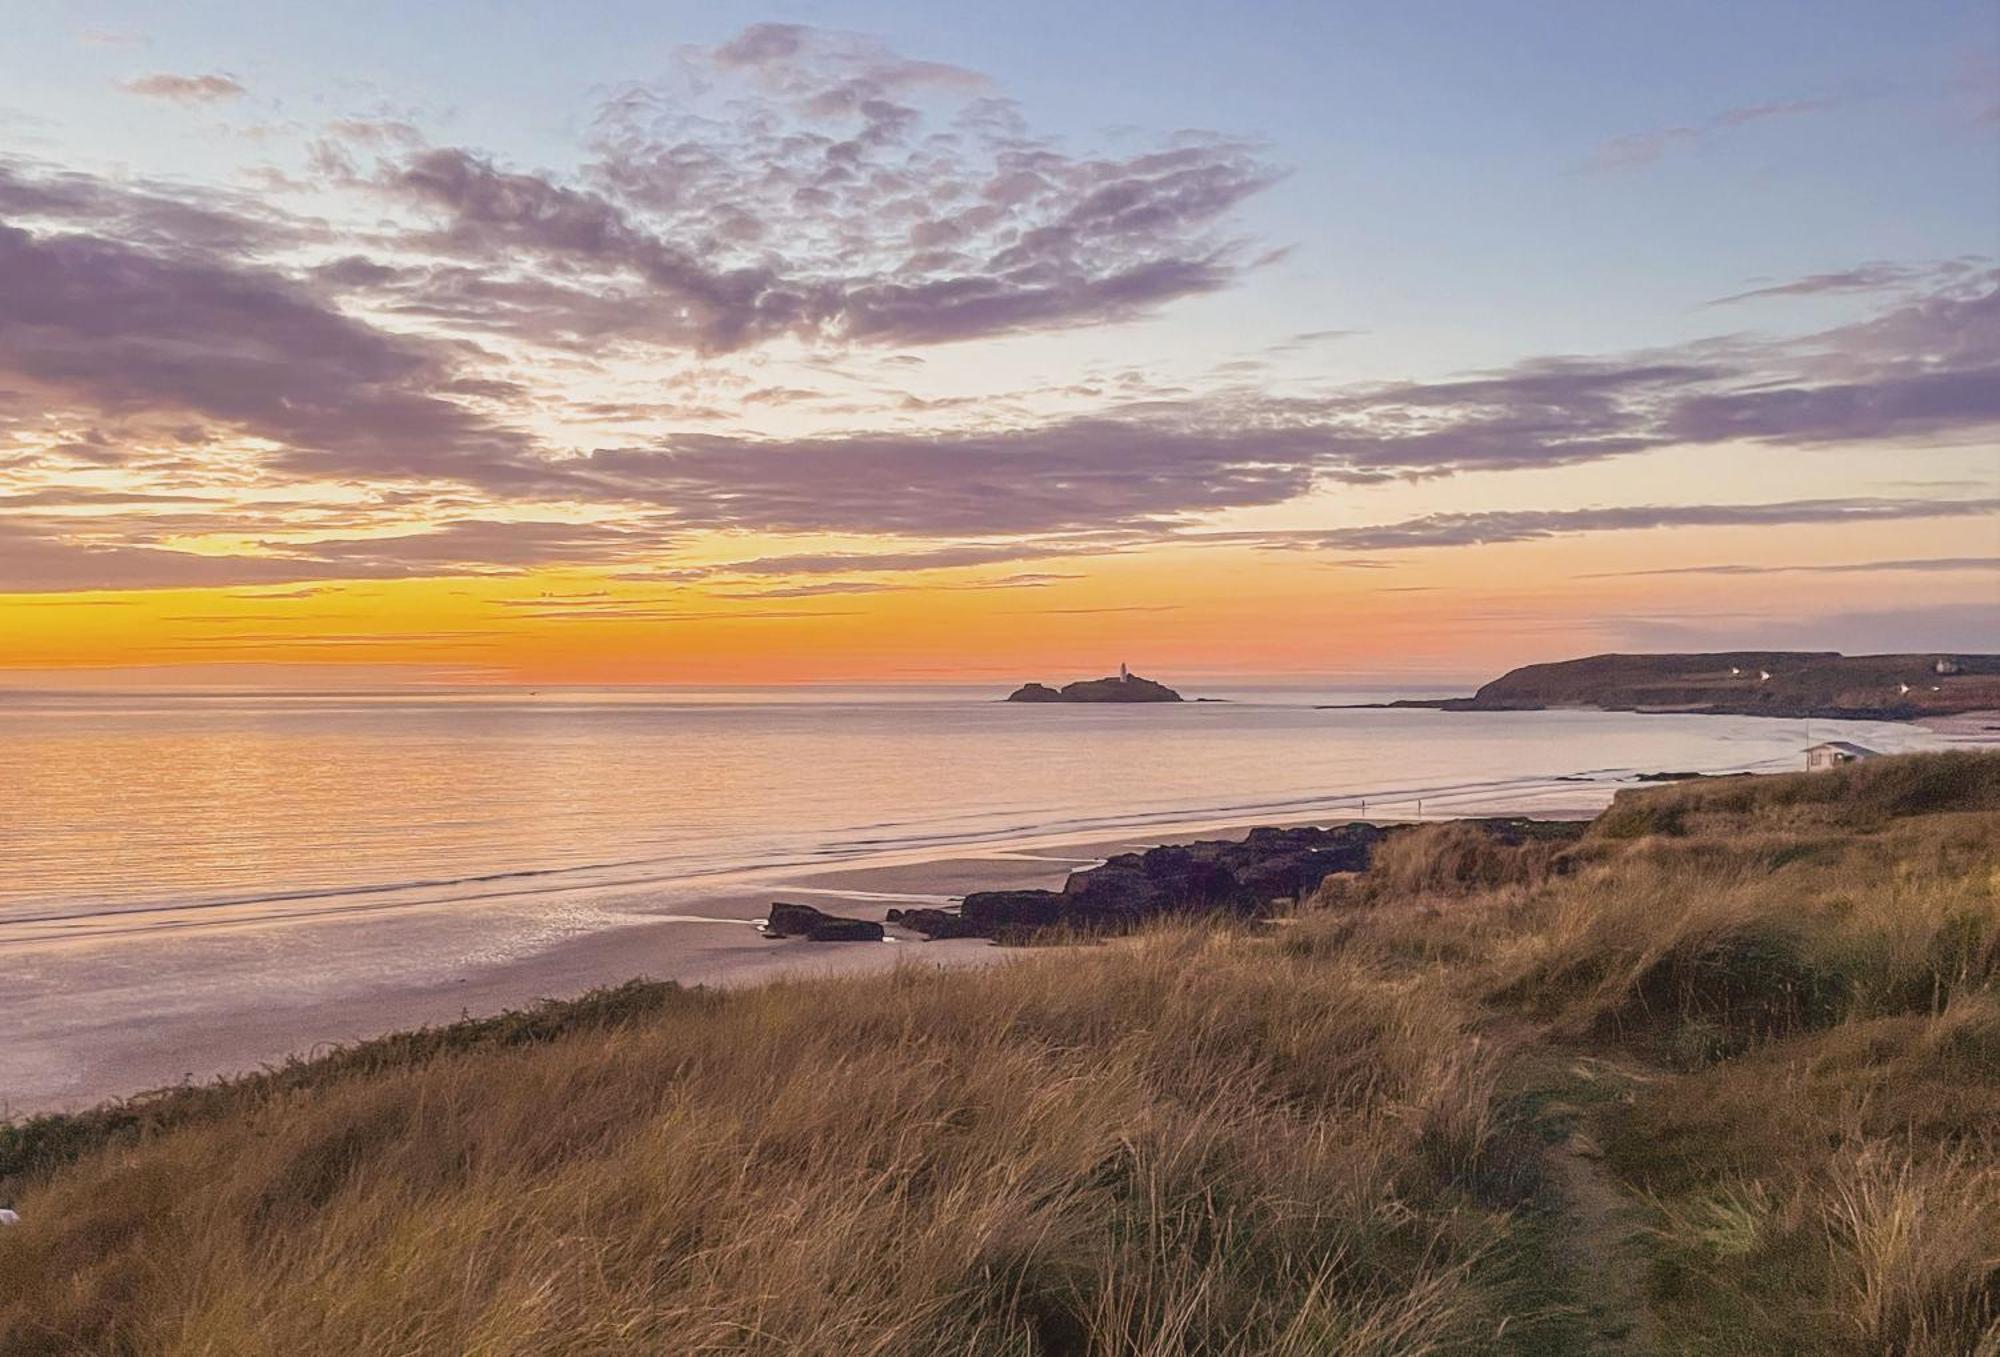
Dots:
pixel 1192 1143
pixel 1820 956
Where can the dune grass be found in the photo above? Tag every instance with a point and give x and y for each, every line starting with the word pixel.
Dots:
pixel 1332 1135
pixel 1181 1144
pixel 1802 976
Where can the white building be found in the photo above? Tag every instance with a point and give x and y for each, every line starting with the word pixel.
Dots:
pixel 1833 753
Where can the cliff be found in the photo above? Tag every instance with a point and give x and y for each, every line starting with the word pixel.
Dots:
pixel 1791 683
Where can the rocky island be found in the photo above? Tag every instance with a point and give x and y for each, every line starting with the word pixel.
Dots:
pixel 1819 685
pixel 1123 686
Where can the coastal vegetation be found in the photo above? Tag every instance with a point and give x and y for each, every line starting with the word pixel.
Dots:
pixel 1721 1074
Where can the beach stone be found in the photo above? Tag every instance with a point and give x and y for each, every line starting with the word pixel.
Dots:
pixel 934 923
pixel 833 929
pixel 785 920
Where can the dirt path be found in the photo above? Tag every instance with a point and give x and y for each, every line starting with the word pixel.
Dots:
pixel 1599 1229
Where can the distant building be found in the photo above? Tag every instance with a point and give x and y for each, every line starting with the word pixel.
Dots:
pixel 1833 753
pixel 1945 664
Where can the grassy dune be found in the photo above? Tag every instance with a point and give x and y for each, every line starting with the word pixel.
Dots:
pixel 1721 1077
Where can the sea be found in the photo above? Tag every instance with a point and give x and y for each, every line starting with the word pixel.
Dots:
pixel 176 865
pixel 120 814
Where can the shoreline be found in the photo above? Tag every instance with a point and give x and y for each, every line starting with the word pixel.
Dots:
pixel 705 938
pixel 126 1002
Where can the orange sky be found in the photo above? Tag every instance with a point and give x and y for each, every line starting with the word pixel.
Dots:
pixel 786 353
pixel 1182 611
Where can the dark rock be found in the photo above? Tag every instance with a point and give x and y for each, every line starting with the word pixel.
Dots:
pixel 1118 893
pixel 1034 692
pixel 1213 875
pixel 1117 688
pixel 1121 688
pixel 934 923
pixel 791 921
pixel 986 911
pixel 803 921
pixel 845 930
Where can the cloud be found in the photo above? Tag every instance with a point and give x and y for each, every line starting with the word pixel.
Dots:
pixel 1929 367
pixel 1930 565
pixel 186 89
pixel 1529 525
pixel 169 218
pixel 826 587
pixel 153 337
pixel 814 590
pixel 1067 477
pixel 1877 276
pixel 798 183
pixel 948 557
pixel 1636 149
pixel 47 554
pixel 464 357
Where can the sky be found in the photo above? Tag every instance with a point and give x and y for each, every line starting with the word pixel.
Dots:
pixel 535 343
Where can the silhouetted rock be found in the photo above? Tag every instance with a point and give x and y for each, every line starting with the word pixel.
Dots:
pixel 803 921
pixel 1239 876
pixel 934 923
pixel 1034 692
pixel 845 930
pixel 1117 688
pixel 987 911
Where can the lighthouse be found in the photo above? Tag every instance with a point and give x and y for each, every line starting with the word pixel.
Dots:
pixel 1124 674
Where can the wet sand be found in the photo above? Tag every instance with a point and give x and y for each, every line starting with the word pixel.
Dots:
pixel 113 1017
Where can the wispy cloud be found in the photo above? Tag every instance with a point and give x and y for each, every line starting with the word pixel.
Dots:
pixel 1928 565
pixel 1528 525
pixel 186 89
pixel 1636 149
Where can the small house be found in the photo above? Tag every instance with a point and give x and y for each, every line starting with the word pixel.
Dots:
pixel 1833 753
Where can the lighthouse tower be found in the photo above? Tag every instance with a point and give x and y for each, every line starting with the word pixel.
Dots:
pixel 1124 674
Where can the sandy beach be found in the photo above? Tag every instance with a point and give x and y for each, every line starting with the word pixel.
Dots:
pixel 226 1000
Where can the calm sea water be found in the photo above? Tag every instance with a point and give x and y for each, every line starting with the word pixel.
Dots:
pixel 124 814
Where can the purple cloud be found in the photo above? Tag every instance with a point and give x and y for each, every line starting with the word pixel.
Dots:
pixel 1934 565
pixel 186 89
pixel 150 337
pixel 1636 149
pixel 1528 525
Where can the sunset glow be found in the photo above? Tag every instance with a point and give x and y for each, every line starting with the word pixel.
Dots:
pixel 861 350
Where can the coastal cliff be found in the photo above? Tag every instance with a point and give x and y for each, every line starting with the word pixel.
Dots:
pixel 1790 683
pixel 1117 688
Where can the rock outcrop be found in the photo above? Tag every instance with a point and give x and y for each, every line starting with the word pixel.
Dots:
pixel 1240 876
pixel 1117 688
pixel 934 923
pixel 1034 692
pixel 803 921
